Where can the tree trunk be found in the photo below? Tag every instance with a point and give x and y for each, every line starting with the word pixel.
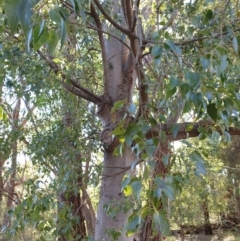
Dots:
pixel 146 233
pixel 111 216
pixel 71 199
pixel 74 202
pixel 207 225
pixel 11 186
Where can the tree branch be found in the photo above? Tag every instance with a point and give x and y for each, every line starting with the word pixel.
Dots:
pixel 111 35
pixel 183 132
pixel 86 91
pixel 127 9
pixel 103 48
pixel 80 93
pixel 109 18
pixel 76 88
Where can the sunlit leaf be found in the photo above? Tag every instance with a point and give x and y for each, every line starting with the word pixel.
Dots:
pixel 52 41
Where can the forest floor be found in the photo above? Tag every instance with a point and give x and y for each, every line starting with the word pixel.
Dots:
pixel 218 236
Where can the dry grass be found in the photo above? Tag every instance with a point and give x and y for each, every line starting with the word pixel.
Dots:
pixel 219 236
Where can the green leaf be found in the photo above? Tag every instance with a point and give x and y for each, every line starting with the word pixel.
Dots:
pixel 133 222
pixel 131 108
pixel 202 136
pixel 168 191
pixel 55 15
pixel 63 34
pixel 201 169
pixel 39 39
pixel 189 127
pixel 184 88
pixel 64 14
pixel 118 105
pixel 166 159
pixel 24 13
pixel 223 64
pixel 212 111
pixel 235 44
pixel 197 99
pixel 136 188
pixel 157 51
pixel 1 113
pixel 196 157
pixel 173 82
pixel 11 7
pixel 128 190
pixel 175 130
pixel 208 15
pixel 52 41
pixel 119 130
pixel 150 150
pixel 194 78
pixel 171 92
pixel 28 39
pixel 205 62
pixel 125 182
pixel 161 223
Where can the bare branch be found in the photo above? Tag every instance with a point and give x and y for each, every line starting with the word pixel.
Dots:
pixel 111 35
pixel 76 88
pixel 103 48
pixel 29 111
pixel 75 84
pixel 109 18
pixel 16 111
pixel 24 122
pixel 127 9
pixel 80 93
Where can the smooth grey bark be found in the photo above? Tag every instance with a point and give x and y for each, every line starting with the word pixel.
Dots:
pixel 112 197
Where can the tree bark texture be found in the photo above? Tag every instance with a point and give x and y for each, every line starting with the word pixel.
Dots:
pixel 70 198
pixel 146 233
pixel 10 188
pixel 207 224
pixel 111 214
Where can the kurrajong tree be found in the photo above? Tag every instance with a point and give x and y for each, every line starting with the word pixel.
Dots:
pixel 169 71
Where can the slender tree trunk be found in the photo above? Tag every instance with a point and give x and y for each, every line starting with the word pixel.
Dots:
pixel 207 224
pixel 1 180
pixel 74 202
pixel 89 213
pixel 11 186
pixel 146 233
pixel 70 198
